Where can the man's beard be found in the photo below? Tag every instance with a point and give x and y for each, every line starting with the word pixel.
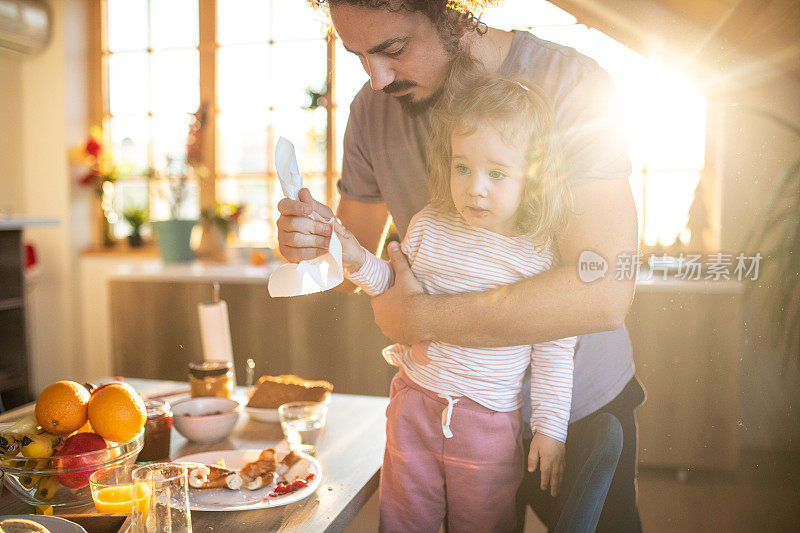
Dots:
pixel 413 107
pixel 417 107
pixel 407 102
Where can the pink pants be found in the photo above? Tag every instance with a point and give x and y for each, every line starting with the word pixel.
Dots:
pixel 473 476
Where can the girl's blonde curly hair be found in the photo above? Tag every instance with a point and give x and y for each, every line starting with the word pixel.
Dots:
pixel 472 98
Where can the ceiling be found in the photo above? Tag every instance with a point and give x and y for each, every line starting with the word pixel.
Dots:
pixel 730 40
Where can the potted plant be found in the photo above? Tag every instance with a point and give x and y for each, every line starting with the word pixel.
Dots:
pixel 777 233
pixel 172 184
pixel 174 233
pixel 136 217
pixel 218 222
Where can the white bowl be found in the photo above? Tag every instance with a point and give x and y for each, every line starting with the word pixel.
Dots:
pixel 205 420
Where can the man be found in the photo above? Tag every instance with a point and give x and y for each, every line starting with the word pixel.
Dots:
pixel 406 47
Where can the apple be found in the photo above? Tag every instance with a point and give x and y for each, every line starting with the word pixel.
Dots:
pixel 77 467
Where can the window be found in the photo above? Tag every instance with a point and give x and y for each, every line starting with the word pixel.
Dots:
pixel 270 64
pixel 153 88
pixel 269 79
pixel 663 113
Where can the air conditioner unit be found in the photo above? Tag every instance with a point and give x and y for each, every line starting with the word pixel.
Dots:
pixel 25 26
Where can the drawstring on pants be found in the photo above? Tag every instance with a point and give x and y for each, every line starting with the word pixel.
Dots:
pixel 447 413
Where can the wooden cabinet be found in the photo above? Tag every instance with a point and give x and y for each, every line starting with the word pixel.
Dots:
pixel 14 388
pixel 156 332
pixel 687 346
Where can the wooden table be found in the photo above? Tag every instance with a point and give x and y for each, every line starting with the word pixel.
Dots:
pixel 350 450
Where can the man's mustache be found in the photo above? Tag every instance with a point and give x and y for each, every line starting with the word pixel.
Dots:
pixel 399 85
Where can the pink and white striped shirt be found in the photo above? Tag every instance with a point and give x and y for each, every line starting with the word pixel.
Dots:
pixel 449 256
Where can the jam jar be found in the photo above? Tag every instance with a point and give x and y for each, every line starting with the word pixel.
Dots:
pixel 157 432
pixel 211 378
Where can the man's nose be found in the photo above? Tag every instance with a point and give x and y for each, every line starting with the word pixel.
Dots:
pixel 380 75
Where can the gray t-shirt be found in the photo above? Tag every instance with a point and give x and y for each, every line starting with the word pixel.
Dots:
pixel 384 161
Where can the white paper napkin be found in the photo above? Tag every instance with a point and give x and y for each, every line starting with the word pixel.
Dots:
pixel 313 275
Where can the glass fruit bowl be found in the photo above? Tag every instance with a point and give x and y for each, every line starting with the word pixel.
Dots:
pixel 63 481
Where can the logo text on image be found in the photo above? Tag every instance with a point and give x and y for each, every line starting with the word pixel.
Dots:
pixel 591 266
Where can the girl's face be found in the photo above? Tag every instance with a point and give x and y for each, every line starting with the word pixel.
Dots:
pixel 487 178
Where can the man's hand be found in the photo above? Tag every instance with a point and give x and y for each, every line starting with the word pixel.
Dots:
pixel 548 453
pixel 299 236
pixel 398 311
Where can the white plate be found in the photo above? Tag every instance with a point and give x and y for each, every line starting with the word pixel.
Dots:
pixel 269 415
pixel 262 415
pixel 237 500
pixel 53 523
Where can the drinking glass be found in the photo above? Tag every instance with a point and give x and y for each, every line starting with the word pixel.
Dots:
pixel 302 424
pixel 114 490
pixel 169 502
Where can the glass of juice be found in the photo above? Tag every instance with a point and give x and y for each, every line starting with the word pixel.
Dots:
pixel 114 491
pixel 157 432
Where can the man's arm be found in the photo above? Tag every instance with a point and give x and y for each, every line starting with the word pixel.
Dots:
pixel 367 222
pixel 552 305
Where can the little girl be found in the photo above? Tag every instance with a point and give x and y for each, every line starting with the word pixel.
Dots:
pixel 497 203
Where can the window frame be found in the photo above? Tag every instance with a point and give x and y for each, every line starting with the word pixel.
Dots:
pixel 208 46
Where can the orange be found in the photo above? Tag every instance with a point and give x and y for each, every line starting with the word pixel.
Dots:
pixel 258 258
pixel 86 428
pixel 116 412
pixel 61 407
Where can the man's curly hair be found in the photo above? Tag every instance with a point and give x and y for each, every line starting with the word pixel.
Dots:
pixel 450 17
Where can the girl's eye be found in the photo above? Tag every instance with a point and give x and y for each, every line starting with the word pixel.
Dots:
pixel 462 169
pixel 497 174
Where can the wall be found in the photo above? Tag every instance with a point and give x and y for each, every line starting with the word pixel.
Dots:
pixel 748 154
pixel 52 117
pixel 755 149
pixel 11 198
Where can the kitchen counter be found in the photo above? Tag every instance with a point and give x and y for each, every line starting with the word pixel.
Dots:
pixel 16 223
pixel 194 272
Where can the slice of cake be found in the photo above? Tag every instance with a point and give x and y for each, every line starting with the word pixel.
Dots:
pixel 272 391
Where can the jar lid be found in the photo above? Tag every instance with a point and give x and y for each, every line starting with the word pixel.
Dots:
pixel 157 407
pixel 204 369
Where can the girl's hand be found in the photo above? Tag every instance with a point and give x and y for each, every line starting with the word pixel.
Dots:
pixel 548 453
pixel 353 254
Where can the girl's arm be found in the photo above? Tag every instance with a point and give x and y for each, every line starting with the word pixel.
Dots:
pixel 372 274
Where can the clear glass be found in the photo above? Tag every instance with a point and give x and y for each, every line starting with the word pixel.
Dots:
pixel 350 78
pixel 173 23
pixel 114 490
pixel 243 142
pixel 669 196
pixel 130 137
pixel 242 21
pixel 302 424
pixel 127 25
pixel 128 85
pixel 243 79
pixel 169 503
pixel 291 91
pixel 307 131
pixel 176 81
pixel 170 133
pixel 296 20
pixel 128 193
